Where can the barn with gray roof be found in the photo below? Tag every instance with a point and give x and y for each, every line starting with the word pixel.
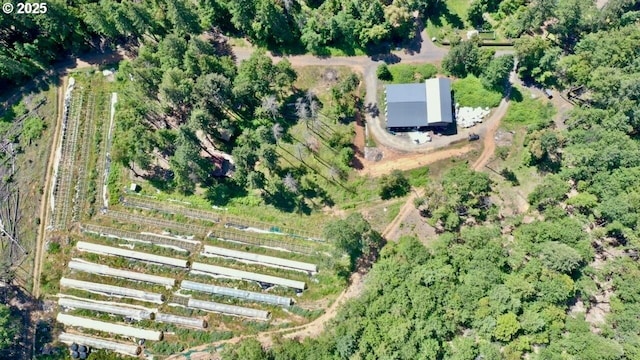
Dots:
pixel 418 106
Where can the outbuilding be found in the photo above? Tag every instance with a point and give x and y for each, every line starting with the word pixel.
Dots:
pixel 418 106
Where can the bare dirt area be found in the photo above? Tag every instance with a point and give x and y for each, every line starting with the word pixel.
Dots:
pixel 402 161
pixel 412 225
pixel 489 143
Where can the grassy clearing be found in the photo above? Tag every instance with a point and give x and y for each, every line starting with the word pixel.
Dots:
pixel 418 177
pixel 513 199
pixel 31 162
pixel 410 73
pixel 453 15
pixel 527 111
pixel 470 92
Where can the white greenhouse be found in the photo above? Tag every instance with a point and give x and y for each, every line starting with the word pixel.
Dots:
pixel 98 269
pixel 75 321
pixel 98 343
pixel 114 251
pixel 228 309
pixel 181 320
pixel 112 290
pixel 236 293
pixel 245 275
pixel 259 259
pixel 133 313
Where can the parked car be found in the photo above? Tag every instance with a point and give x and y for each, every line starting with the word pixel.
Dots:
pixel 473 137
pixel 549 93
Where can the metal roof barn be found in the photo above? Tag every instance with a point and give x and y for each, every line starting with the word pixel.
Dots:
pixel 122 330
pixel 246 275
pixel 228 309
pixel 114 251
pixel 98 343
pixel 181 320
pixel 260 259
pixel 98 269
pixel 419 105
pixel 112 290
pixel 137 314
pixel 236 293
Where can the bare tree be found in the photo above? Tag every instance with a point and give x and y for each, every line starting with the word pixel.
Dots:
pixel 310 95
pixel 301 109
pixel 312 143
pixel 299 151
pixel 288 4
pixel 290 183
pixel 277 130
pixel 270 106
pixel 335 172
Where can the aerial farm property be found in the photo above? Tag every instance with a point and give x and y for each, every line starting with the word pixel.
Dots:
pixel 139 268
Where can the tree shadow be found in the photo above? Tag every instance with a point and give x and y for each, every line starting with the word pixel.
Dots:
pixel 223 191
pixel 440 11
pixel 515 95
pixel 414 44
pixel 388 58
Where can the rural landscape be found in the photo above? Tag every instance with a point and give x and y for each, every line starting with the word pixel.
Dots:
pixel 320 179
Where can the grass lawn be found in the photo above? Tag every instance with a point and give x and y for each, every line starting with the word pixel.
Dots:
pixel 525 110
pixel 470 92
pixel 452 15
pixel 410 73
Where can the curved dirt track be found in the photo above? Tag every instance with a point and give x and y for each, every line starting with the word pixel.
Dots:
pixel 311 329
pixel 489 142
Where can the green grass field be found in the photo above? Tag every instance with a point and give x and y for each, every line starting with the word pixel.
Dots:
pixel 410 73
pixel 470 92
pixel 525 110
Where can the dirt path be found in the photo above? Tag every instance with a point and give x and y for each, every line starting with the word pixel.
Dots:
pixel 312 329
pixel 44 202
pixel 411 161
pixel 489 143
pixel 62 68
pixel 391 230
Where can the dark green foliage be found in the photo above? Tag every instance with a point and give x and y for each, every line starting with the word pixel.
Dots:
pixel 9 327
pixel 32 129
pixel 394 185
pixel 552 190
pixel 466 58
pixel 354 237
pixel 463 193
pixel 383 73
pixel 496 75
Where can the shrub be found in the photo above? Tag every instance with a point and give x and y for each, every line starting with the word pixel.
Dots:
pixel 394 185
pixel 383 73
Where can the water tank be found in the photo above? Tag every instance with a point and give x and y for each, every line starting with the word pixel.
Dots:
pixel 74 354
pixel 74 347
